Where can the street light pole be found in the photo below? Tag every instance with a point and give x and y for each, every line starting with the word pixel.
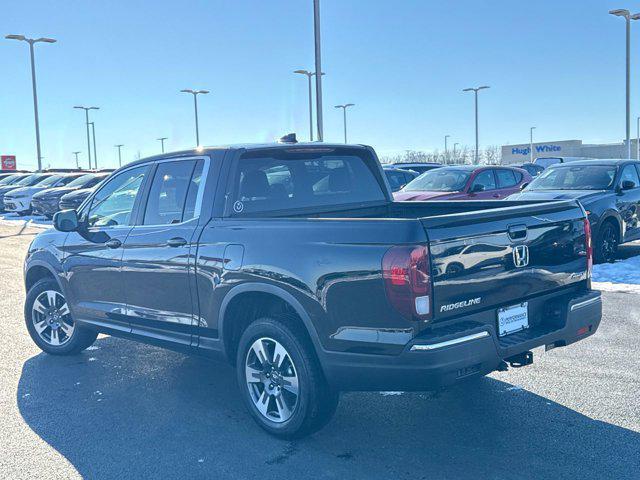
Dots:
pixel 475 91
pixel 31 42
pixel 446 150
pixel 344 114
pixel 531 144
pixel 77 162
pixel 309 75
pixel 162 139
pixel 195 94
pixel 95 154
pixel 86 113
pixel 316 28
pixel 628 17
pixel 119 146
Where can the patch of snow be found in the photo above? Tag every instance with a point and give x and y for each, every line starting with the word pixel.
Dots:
pixel 389 394
pixel 92 347
pixel 623 271
pixel 12 219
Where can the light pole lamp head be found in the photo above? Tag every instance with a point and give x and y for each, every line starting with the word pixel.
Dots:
pixel 635 16
pixel 15 37
pixel 45 40
pixel 620 12
pixel 303 72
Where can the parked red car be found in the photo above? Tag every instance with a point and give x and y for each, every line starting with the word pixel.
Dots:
pixel 465 182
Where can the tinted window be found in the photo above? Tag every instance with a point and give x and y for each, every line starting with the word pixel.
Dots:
pixel 9 179
pixel 486 179
pixel 194 193
pixel 444 179
pixel 302 180
pixel 49 181
pixel 579 177
pixel 31 180
pixel 67 180
pixel 168 193
pixel 547 162
pixel 113 203
pixel 81 181
pixel 506 178
pixel 629 173
pixel 396 179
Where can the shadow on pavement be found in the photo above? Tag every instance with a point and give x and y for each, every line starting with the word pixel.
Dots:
pixel 125 410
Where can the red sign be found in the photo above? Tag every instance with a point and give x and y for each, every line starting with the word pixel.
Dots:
pixel 8 162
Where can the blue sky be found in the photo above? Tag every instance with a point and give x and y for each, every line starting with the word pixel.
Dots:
pixel 556 65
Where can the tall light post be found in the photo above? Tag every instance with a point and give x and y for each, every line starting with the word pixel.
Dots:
pixel 318 55
pixel 638 140
pixel 475 91
pixel 95 154
pixel 531 143
pixel 344 115
pixel 32 42
pixel 119 146
pixel 161 140
pixel 628 17
pixel 195 94
pixel 309 75
pixel 446 150
pixel 77 162
pixel 454 151
pixel 86 113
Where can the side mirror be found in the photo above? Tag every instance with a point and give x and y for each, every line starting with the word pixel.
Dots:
pixel 66 221
pixel 524 185
pixel 628 185
pixel 477 187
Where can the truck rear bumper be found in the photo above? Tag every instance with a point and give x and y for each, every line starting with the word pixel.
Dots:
pixel 432 362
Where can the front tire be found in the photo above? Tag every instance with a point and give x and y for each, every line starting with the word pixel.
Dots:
pixel 281 380
pixel 607 243
pixel 49 321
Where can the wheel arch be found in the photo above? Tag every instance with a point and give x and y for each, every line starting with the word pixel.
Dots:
pixel 36 271
pixel 225 322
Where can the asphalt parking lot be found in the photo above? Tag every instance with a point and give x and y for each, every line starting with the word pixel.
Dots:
pixel 124 410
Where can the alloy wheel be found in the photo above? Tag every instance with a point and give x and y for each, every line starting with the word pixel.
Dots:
pixel 609 244
pixel 51 318
pixel 272 379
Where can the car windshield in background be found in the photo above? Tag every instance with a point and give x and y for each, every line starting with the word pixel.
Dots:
pixel 48 181
pixel 439 180
pixel 264 184
pixel 10 179
pixel 575 177
pixel 31 180
pixel 82 181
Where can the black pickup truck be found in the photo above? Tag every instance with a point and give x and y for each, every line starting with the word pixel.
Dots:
pixel 293 262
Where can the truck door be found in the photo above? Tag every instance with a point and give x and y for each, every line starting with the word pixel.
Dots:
pixel 158 256
pixel 628 201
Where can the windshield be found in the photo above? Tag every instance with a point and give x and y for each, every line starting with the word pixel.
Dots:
pixel 48 181
pixel 439 180
pixel 577 177
pixel 81 181
pixel 8 180
pixel 31 180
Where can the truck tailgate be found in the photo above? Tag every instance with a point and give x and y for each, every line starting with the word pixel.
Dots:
pixel 495 258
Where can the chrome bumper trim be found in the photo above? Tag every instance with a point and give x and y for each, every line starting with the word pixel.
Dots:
pixel 448 343
pixel 586 303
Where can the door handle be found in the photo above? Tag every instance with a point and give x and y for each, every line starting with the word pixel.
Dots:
pixel 176 242
pixel 496 195
pixel 114 243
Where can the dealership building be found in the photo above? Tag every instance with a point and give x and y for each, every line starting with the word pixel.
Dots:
pixel 566 148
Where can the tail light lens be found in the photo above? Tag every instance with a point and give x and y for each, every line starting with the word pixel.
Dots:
pixel 407 280
pixel 588 247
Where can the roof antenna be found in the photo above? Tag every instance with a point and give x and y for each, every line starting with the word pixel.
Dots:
pixel 288 138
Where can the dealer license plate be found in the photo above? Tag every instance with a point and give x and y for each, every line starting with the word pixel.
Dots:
pixel 513 319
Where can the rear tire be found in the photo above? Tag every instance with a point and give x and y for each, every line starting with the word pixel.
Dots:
pixel 49 321
pixel 607 242
pixel 287 394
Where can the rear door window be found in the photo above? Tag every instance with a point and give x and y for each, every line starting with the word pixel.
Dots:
pixel 506 178
pixel 265 183
pixel 166 200
pixel 629 173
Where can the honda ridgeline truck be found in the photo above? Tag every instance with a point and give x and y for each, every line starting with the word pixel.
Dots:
pixel 293 262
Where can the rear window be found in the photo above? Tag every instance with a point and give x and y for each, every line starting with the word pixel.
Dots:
pixel 577 177
pixel 283 181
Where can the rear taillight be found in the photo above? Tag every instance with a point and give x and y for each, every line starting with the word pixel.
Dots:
pixel 588 246
pixel 407 280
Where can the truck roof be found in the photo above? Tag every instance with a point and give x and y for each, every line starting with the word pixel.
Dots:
pixel 246 146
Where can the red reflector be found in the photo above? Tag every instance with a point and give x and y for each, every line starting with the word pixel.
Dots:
pixel 583 330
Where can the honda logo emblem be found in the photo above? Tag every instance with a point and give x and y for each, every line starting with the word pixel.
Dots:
pixel 521 255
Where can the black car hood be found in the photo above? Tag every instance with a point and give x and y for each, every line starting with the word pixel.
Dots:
pixel 556 194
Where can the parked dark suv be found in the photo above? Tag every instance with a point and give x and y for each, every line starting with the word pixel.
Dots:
pixel 293 262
